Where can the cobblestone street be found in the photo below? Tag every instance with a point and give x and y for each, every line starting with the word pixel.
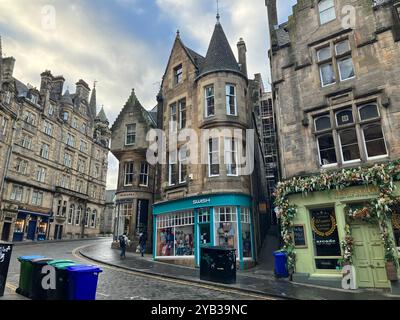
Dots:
pixel 116 284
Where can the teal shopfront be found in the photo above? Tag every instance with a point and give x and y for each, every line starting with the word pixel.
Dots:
pixel 182 226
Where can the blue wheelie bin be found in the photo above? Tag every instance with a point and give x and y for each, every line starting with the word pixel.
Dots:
pixel 83 282
pixel 280 264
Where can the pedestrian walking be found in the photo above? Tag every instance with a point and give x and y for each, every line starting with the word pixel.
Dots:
pixel 123 243
pixel 142 242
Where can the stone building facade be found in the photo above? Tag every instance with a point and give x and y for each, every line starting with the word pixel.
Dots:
pixel 136 179
pixel 336 80
pixel 56 163
pixel 107 220
pixel 210 201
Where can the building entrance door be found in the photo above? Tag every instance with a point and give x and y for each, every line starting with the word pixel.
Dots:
pixel 369 257
pixel 58 230
pixel 31 229
pixel 5 234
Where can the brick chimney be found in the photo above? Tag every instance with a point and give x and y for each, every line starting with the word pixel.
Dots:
pixel 82 90
pixel 57 87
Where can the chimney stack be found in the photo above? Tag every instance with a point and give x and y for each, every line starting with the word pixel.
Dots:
pixel 45 83
pixel 57 87
pixel 82 90
pixel 272 20
pixel 8 68
pixel 242 50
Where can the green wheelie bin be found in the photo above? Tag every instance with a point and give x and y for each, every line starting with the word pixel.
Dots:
pixel 61 292
pixel 37 291
pixel 25 275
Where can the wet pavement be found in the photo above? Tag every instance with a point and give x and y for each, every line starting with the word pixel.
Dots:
pixel 254 281
pixel 117 284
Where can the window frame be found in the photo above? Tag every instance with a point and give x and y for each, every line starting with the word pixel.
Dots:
pixel 182 110
pixel 363 127
pixel 231 147
pixel 329 8
pixel 330 165
pixel 130 134
pixel 207 115
pixel 210 156
pixel 130 174
pixel 144 173
pixel 227 99
pixel 178 74
pixel 341 146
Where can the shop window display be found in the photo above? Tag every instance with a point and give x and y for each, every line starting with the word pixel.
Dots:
pixel 19 225
pixel 175 234
pixel 226 227
pixel 204 225
pixel 246 233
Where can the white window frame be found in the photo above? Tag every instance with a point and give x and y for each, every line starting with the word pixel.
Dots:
pixel 22 166
pixel 365 143
pixel 41 174
pixel 17 193
pixel 329 8
pixel 37 198
pixel 182 161
pixel 48 128
pixel 210 156
pixel 173 118
pixel 366 105
pixel 83 146
pixel 78 216
pixel 87 217
pixel 50 111
pixel 130 134
pixel 170 165
pixel 321 77
pixel 45 151
pixel 228 155
pixel 320 117
pixel 4 125
pixel 71 214
pixel 68 160
pixel 340 73
pixel 144 174
pixel 181 103
pixel 26 141
pixel 178 76
pixel 341 147
pixel 319 151
pixel 339 111
pixel 93 218
pixel 206 100
pixel 227 96
pixel 129 165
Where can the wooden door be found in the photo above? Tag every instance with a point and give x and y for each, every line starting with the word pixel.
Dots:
pixel 369 256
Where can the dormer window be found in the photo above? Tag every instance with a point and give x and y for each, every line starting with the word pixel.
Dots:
pixel 34 99
pixel 178 74
pixel 326 11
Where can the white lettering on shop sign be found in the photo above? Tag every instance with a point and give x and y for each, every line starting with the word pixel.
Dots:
pixel 202 201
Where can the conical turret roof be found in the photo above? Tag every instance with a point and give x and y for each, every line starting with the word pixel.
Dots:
pixel 67 99
pixel 102 116
pixel 219 56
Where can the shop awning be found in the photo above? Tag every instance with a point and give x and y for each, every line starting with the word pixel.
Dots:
pixel 39 214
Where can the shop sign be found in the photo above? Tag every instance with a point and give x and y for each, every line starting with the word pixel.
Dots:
pixel 299 236
pixel 356 192
pixel 125 195
pixel 201 201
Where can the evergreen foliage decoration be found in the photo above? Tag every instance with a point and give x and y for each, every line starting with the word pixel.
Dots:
pixel 378 210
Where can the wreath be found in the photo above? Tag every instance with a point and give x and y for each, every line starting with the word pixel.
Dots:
pixel 327 233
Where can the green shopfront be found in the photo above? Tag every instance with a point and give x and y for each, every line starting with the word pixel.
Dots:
pixel 321 228
pixel 182 227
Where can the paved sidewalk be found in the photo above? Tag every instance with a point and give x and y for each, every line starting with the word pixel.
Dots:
pixel 254 281
pixel 11 295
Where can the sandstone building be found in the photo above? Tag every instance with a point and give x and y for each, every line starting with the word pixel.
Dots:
pixel 54 148
pixel 336 81
pixel 192 203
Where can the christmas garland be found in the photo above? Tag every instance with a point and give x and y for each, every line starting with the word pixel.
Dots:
pixel 380 175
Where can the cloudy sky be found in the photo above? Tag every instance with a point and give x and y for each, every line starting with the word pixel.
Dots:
pixel 124 44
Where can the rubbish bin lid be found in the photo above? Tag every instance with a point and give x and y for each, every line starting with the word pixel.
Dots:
pixel 64 266
pixel 279 253
pixel 30 258
pixel 52 263
pixel 42 260
pixel 82 268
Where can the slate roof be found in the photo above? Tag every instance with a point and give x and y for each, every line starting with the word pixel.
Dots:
pixel 66 98
pixel 219 56
pixel 198 58
pixel 102 116
pixel 22 89
pixel 282 35
pixel 133 103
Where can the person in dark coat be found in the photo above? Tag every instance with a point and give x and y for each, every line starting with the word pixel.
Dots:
pixel 142 242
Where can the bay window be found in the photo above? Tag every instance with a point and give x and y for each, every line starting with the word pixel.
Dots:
pixel 246 232
pixel 144 174
pixel 226 227
pixel 231 155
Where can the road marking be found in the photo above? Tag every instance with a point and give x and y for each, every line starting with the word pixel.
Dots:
pixel 76 254
pixel 102 294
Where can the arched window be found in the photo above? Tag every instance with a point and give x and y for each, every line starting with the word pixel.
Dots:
pixel 369 111
pixel 71 213
pixel 93 219
pixel 344 117
pixel 78 216
pixel 87 216
pixel 326 11
pixel 322 123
